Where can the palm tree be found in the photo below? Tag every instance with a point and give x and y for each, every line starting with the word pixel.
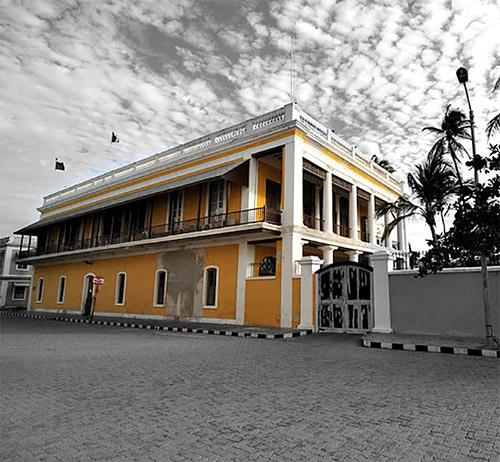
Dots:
pixel 454 126
pixel 432 186
pixel 383 163
pixel 494 124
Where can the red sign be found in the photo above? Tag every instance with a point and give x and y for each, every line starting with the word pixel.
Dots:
pixel 98 280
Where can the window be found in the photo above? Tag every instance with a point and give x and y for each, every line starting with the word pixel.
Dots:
pixel 61 289
pixel 175 210
pixel 39 290
pixel 19 292
pixel 160 288
pixel 216 201
pixel 22 267
pixel 210 283
pixel 121 281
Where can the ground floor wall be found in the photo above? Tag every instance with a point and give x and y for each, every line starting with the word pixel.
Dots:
pixel 447 303
pixel 185 287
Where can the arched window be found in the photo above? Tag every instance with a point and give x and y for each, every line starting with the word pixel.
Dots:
pixel 160 288
pixel 121 283
pixel 61 289
pixel 210 287
pixel 39 290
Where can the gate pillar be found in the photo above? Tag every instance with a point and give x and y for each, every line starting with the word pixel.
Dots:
pixel 381 296
pixel 309 265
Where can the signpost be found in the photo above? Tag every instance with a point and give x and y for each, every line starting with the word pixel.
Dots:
pixel 98 280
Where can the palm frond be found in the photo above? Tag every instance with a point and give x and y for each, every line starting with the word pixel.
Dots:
pixel 493 125
pixel 433 130
pixel 398 207
pixel 389 227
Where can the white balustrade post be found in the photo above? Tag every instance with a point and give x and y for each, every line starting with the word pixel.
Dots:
pixel 328 203
pixel 380 262
pixel 371 220
pixel 353 212
pixel 309 266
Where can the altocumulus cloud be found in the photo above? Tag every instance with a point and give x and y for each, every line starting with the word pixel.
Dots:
pixel 160 73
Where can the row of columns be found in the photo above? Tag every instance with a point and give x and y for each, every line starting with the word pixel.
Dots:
pixel 292 223
pixel 328 223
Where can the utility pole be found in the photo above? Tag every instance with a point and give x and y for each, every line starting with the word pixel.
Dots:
pixel 463 78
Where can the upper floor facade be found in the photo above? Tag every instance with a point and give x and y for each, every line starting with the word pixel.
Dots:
pixel 282 172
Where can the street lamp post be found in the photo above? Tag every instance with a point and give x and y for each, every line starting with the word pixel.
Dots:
pixel 463 78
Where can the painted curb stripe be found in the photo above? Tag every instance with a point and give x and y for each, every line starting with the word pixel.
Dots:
pixel 431 348
pixel 226 333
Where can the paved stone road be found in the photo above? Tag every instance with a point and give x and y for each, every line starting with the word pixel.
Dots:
pixel 80 392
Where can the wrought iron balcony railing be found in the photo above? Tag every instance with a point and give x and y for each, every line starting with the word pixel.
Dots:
pixel 223 220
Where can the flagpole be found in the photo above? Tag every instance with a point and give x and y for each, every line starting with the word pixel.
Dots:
pixel 291 69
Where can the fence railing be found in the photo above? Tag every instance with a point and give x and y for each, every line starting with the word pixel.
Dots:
pixel 210 222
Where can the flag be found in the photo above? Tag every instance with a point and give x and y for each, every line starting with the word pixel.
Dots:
pixel 114 138
pixel 59 165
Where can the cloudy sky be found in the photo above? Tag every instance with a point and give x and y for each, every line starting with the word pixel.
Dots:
pixel 164 72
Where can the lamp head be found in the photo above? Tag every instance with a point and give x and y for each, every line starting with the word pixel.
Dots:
pixel 462 75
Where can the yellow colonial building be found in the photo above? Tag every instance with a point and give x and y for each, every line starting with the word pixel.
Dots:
pixel 219 229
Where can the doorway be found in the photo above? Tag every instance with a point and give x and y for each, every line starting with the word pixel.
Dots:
pixel 88 294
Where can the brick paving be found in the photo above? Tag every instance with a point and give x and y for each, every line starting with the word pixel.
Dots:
pixel 78 392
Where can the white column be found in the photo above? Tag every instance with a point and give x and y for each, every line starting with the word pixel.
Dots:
pixel 291 251
pixel 328 251
pixel 317 211
pixel 249 193
pixel 353 212
pixel 309 266
pixel 353 255
pixel 402 235
pixel 388 240
pixel 328 203
pixel 293 205
pixel 241 282
pixel 381 293
pixel 337 216
pixel 372 226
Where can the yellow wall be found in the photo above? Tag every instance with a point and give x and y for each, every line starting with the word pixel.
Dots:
pixel 139 289
pixel 226 259
pixel 262 251
pixel 263 298
pixel 159 210
pixel 191 195
pixel 266 172
pixel 296 302
pixel 234 197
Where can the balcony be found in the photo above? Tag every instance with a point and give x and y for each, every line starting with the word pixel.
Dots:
pixel 224 220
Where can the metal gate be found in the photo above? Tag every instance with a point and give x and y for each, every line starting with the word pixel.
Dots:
pixel 344 297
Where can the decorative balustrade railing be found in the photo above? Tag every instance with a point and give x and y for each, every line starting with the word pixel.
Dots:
pixel 223 220
pixel 313 222
pixel 342 230
pixel 363 236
